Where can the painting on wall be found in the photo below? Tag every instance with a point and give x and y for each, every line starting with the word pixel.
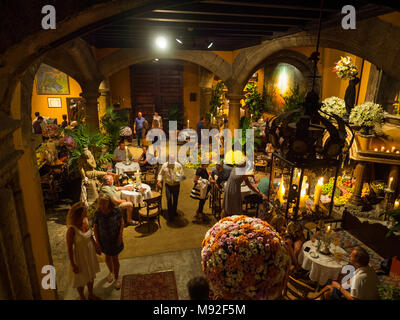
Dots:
pixel 54 102
pixel 51 81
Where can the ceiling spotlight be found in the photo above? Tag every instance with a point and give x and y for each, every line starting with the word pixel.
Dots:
pixel 210 45
pixel 178 40
pixel 161 42
pixel 156 60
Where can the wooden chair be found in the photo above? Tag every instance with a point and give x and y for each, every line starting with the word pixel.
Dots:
pixel 150 176
pixel 251 203
pixel 151 210
pixel 216 197
pixel 298 290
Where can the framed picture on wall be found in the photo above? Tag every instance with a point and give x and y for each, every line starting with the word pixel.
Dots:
pixel 54 102
pixel 51 81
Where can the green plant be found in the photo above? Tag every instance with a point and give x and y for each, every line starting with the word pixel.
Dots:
pixel 395 215
pixel 175 114
pixel 293 99
pixel 111 123
pixel 389 291
pixel 95 141
pixel 216 99
pixel 244 125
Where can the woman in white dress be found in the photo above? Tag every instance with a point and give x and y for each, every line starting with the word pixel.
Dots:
pixel 82 250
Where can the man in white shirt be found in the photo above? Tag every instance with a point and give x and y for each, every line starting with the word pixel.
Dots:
pixel 363 284
pixel 171 173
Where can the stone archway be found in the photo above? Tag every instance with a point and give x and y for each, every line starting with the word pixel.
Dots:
pixel 123 58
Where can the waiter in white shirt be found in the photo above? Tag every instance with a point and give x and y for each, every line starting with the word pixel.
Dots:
pixel 171 173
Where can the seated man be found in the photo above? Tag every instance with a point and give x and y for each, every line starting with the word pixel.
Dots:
pixel 222 172
pixel 111 191
pixel 363 284
pixel 120 152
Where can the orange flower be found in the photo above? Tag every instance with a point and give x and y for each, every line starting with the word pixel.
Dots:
pixel 239 218
pixel 247 227
pixel 242 241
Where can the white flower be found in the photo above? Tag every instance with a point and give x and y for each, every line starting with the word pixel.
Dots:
pixel 333 105
pixel 366 114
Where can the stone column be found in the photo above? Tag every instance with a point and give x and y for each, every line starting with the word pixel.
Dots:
pixel 105 98
pixel 234 111
pixel 359 175
pixel 205 98
pixel 91 107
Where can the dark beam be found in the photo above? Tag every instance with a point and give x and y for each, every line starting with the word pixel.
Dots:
pixel 229 14
pixel 213 22
pixel 267 5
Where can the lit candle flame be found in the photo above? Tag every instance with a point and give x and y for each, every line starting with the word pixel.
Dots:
pixel 321 181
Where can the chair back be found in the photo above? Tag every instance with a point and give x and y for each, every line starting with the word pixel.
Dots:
pixel 252 202
pixel 153 203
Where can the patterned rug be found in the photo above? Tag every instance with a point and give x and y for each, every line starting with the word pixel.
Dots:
pixel 149 286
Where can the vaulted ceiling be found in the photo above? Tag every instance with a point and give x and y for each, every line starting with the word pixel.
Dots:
pixel 229 25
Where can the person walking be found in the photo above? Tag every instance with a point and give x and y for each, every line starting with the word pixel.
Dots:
pixel 202 187
pixel 138 127
pixel 82 250
pixel 108 225
pixel 171 173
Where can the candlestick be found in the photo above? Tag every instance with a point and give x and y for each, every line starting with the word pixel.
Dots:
pixel 188 123
pixel 396 205
pixel 318 190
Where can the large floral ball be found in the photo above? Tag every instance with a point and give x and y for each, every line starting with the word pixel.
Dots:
pixel 244 258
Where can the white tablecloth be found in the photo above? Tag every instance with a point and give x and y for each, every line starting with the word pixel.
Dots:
pixel 324 267
pixel 135 196
pixel 120 167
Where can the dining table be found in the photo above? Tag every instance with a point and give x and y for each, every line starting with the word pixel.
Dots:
pixel 322 267
pixel 122 167
pixel 137 195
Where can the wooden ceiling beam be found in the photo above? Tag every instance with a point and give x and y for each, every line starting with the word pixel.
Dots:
pixel 267 5
pixel 229 14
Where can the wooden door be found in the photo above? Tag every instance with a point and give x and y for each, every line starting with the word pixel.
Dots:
pixel 156 87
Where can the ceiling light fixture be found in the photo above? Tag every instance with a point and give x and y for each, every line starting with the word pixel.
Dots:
pixel 210 45
pixel 178 40
pixel 156 59
pixel 161 42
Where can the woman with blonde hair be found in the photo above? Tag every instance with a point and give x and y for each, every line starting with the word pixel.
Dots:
pixel 82 250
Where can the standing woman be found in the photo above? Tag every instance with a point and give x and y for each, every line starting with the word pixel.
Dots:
pixel 232 203
pixel 108 224
pixel 82 250
pixel 201 172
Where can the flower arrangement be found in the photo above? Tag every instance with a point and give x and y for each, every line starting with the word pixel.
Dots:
pixel 333 105
pixel 344 69
pixel 244 258
pixel 367 114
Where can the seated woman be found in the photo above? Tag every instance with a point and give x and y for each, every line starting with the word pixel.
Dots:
pixel 295 239
pixel 143 163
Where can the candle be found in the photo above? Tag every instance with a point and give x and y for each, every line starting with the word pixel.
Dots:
pixel 393 148
pixel 303 198
pixel 397 151
pixel 396 204
pixel 298 179
pixel 318 190
pixel 390 182
pixel 382 148
pixel 376 149
pixel 387 151
pixel 137 176
pixel 188 123
pixel 328 229
pixel 281 192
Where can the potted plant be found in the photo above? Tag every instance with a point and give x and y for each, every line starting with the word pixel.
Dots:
pixel 367 116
